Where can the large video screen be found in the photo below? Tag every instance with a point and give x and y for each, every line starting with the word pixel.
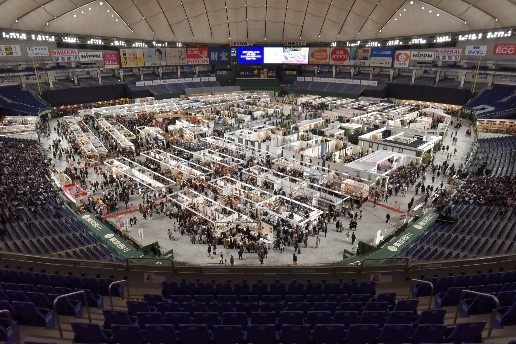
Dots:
pixel 250 55
pixel 286 55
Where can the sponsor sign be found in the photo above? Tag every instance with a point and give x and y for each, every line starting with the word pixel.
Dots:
pixel 381 57
pixel 197 56
pixel 339 56
pixel 37 51
pixel 65 55
pixel 111 60
pixel 155 56
pixel 402 59
pixel 360 56
pixel 289 55
pixel 131 58
pixel 416 55
pixel 88 56
pixel 448 54
pixel 319 56
pixel 504 49
pixel 10 50
pixel 176 56
pixel 475 50
pixel 219 56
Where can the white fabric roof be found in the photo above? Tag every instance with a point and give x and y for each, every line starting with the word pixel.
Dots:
pixel 214 21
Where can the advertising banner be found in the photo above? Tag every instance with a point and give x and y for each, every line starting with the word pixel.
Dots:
pixel 37 51
pixel 10 50
pixel 90 56
pixel 360 56
pixel 219 56
pixel 111 60
pixel 132 58
pixel 448 54
pixel 250 55
pixel 176 56
pixel 197 56
pixel 65 55
pixel 154 56
pixel 319 56
pixel 339 56
pixel 421 55
pixel 381 57
pixel 475 50
pixel 402 59
pixel 500 49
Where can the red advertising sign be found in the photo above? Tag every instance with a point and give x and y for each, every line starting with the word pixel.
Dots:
pixel 197 56
pixel 339 56
pixel 111 60
pixel 402 59
pixel 319 56
pixel 504 49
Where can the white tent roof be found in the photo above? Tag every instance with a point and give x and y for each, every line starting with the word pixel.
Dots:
pixel 214 21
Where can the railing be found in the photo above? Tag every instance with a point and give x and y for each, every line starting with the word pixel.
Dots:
pixel 11 323
pixel 413 281
pixel 159 260
pixel 60 297
pixel 493 313
pixel 361 266
pixel 124 282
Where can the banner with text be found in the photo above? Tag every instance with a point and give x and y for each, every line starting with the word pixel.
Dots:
pixel 111 60
pixel 65 55
pixel 402 59
pixel 37 51
pixel 176 56
pixel 219 56
pixel 421 55
pixel 10 50
pixel 504 49
pixel 339 56
pixel 360 56
pixel 448 54
pixel 132 58
pixel 381 57
pixel 319 56
pixel 90 56
pixel 475 50
pixel 154 56
pixel 197 56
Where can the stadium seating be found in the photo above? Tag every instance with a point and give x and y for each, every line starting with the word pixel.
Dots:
pixel 500 97
pixel 19 101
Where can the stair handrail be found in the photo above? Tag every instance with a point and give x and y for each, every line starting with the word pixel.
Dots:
pixel 414 281
pixel 112 284
pixel 493 313
pixel 64 296
pixel 11 322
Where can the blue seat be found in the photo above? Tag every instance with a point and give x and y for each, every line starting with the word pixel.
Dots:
pixel 5 304
pixel 461 281
pixel 272 307
pixel 477 279
pixel 400 317
pixel 350 306
pixel 443 284
pixel 312 288
pixel 291 318
pixel 362 298
pixel 180 298
pixel 47 289
pixel 153 299
pixel 89 333
pixel 209 318
pixel 272 298
pixel 145 318
pixel 332 288
pixel 298 306
pixel 177 318
pixel 161 334
pixel 367 288
pixel 373 318
pixel 29 314
pixel 345 318
pixel 328 334
pixel 449 298
pixel 194 333
pixel 431 316
pixel 248 298
pixel 247 307
pixel 491 288
pixel 295 334
pixel 68 306
pixel 203 298
pixel 220 307
pixel 313 298
pixel 325 306
pixel 506 298
pixel 318 317
pixel 10 286
pixel 390 298
pixel 494 278
pixel 9 334
pixel 480 304
pixel 376 306
pixel 467 333
pixel 134 307
pixel 428 334
pixel 277 289
pixel 225 334
pixel 420 290
pixel 116 318
pixel 27 288
pixel 395 333
pixel 235 318
pixel 17 295
pixel 260 289
pixel 94 300
pixel 227 298
pixel 224 289
pixel 257 334
pixel 294 298
pixel 164 307
pixel 204 289
pixel 406 305
pixel 296 288
pixel 241 289
pixel 361 333
pixel 506 316
pixel 168 289
pixel 263 318
pixel 127 334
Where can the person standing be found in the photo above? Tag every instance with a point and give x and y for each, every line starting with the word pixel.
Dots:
pixel 209 251
pixel 231 260
pixel 221 260
pixel 294 259
pixel 353 238
pixel 387 218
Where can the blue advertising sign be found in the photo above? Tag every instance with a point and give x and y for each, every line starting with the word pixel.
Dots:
pixel 250 55
pixel 382 52
pixel 219 56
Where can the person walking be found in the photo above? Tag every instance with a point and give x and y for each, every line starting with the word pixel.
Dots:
pixel 221 260
pixel 209 251
pixel 231 260
pixel 294 259
pixel 387 218
pixel 353 238
pixel 317 240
